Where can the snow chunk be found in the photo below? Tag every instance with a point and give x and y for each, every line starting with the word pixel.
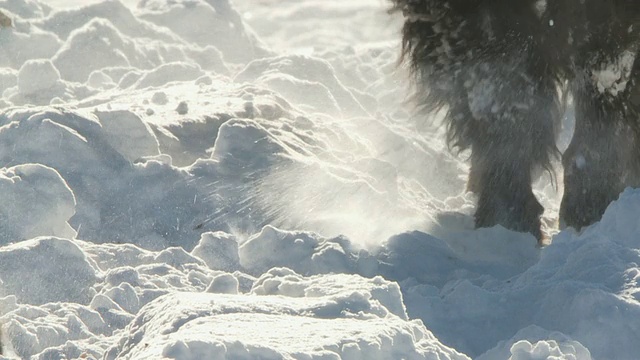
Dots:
pixel 219 251
pixel 34 201
pixel 612 77
pixel 128 134
pixel 99 79
pixel 125 296
pixel 197 325
pixel 305 253
pixel 182 108
pixel 224 284
pixel 47 269
pixel 159 98
pixel 126 274
pixel 38 75
pixel 247 142
pixel 176 257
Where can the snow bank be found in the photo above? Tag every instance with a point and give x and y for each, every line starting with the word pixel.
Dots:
pixel 583 287
pixel 193 326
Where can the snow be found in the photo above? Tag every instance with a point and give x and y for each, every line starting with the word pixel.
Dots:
pixel 199 179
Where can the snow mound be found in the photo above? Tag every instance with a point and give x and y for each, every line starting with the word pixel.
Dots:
pixel 19 46
pixel 64 22
pixel 542 350
pixel 585 287
pixel 39 83
pixel 34 201
pixel 198 325
pixel 26 9
pixel 384 297
pixel 342 24
pixel 534 342
pixel 106 44
pixel 247 142
pixel 96 162
pixel 305 81
pixel 36 332
pixel 204 23
pixel 47 269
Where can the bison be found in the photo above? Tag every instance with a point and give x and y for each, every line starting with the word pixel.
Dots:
pixel 503 71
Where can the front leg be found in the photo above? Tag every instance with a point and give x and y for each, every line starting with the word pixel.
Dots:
pixel 513 138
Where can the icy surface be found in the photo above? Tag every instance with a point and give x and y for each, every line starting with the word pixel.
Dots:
pixel 212 179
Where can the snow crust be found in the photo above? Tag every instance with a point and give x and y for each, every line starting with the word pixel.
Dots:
pixel 228 180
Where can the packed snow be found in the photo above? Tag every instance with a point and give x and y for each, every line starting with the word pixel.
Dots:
pixel 242 179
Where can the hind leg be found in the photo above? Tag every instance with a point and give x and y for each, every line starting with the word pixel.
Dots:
pixel 513 137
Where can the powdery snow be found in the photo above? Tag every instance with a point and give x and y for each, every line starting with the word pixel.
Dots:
pixel 241 179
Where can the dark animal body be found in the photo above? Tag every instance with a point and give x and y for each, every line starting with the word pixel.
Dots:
pixel 501 69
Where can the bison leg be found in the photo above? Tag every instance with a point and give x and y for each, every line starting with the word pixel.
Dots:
pixel 513 137
pixel 597 160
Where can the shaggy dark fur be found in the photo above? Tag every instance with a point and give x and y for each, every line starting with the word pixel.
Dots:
pixel 501 69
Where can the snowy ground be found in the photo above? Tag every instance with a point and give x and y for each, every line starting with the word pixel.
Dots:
pixel 191 179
